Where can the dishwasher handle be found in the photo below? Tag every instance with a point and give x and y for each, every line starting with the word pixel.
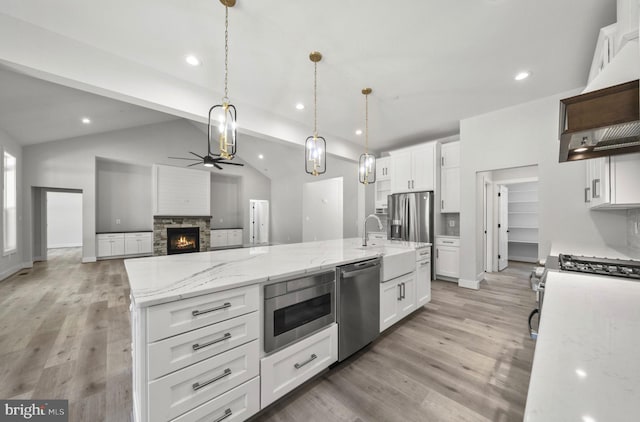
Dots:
pixel 354 270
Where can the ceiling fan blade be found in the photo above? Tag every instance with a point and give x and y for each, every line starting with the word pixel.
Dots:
pixel 217 166
pixel 183 158
pixel 194 164
pixel 230 163
pixel 199 156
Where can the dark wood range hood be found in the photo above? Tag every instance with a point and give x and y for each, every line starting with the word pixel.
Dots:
pixel 600 123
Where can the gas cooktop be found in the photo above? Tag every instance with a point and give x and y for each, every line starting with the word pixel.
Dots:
pixel 601 266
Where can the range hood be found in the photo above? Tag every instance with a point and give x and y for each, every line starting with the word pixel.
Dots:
pixel 605 119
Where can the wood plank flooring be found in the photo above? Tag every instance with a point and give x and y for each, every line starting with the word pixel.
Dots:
pixel 466 356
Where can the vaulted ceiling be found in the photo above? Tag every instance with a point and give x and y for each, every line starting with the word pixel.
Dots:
pixel 430 63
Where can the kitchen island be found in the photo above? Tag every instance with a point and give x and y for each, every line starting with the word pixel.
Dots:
pixel 197 324
pixel 586 365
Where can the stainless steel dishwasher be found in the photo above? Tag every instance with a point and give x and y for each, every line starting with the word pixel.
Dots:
pixel 358 313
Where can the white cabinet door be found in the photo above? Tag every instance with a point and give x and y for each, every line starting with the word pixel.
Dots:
pixel 401 172
pixel 104 247
pixel 448 261
pixel 131 246
pixel 423 282
pixel 450 190
pixel 390 296
pixel 599 171
pixel 450 155
pixel 219 238
pixel 423 168
pixel 625 171
pixel 408 287
pixel 234 237
pixel 382 168
pixel 117 247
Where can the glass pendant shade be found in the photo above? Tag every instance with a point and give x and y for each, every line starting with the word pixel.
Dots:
pixel 314 155
pixel 224 117
pixel 367 169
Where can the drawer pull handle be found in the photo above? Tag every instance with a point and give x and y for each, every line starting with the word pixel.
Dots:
pixel 206 311
pixel 198 386
pixel 447 241
pixel 425 263
pixel 212 342
pixel 300 365
pixel 227 413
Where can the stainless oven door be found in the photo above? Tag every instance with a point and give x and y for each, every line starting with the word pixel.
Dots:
pixel 297 313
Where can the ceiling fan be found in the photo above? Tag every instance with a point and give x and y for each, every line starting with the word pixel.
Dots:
pixel 209 160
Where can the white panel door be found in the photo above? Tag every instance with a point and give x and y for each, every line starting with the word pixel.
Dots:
pixel 258 221
pixel 322 210
pixel 503 227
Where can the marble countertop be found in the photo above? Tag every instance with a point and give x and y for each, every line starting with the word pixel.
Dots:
pixel 162 279
pixel 586 366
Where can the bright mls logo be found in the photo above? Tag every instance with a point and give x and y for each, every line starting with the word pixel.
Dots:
pixel 34 410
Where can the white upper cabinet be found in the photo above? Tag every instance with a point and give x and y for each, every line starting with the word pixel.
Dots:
pixel 413 169
pixel 450 177
pixel 383 182
pixel 181 192
pixel 383 165
pixel 612 182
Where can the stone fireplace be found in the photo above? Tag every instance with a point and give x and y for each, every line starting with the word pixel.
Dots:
pixel 181 234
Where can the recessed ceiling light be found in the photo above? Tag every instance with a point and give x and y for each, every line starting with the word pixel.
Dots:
pixel 300 106
pixel 522 75
pixel 261 156
pixel 192 60
pixel 581 373
pixel 86 120
pixel 588 419
pixel 359 132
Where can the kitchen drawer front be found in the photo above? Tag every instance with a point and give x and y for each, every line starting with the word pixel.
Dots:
pixel 176 352
pixel 176 393
pixel 178 317
pixel 447 241
pixel 236 405
pixel 424 253
pixel 285 370
pixel 140 235
pixel 110 236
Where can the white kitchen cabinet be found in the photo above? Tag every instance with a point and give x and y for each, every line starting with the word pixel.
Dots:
pixel 383 183
pixel 234 237
pixel 450 177
pixel 140 243
pixel 397 299
pixel 225 238
pixel 110 244
pixel 612 182
pixel 423 277
pixel 448 257
pixel 283 371
pixel 413 169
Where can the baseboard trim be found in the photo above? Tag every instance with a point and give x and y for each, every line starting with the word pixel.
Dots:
pixel 65 245
pixel 469 284
pixel 88 259
pixel 13 270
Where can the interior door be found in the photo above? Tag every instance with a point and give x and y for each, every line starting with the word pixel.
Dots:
pixel 503 227
pixel 258 221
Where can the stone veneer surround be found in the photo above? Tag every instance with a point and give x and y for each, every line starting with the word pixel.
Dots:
pixel 160 224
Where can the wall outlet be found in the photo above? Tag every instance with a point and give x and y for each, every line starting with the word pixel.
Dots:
pixel 117 221
pixel 452 223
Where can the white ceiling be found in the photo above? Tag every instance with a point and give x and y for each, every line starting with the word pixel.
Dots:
pixel 430 63
pixel 34 111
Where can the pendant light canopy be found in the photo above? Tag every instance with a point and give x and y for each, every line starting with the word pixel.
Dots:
pixel 367 162
pixel 224 115
pixel 315 148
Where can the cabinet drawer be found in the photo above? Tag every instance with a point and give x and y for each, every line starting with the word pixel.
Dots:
pixel 447 241
pixel 285 370
pixel 173 318
pixel 176 352
pixel 110 236
pixel 236 405
pixel 424 253
pixel 176 393
pixel 140 235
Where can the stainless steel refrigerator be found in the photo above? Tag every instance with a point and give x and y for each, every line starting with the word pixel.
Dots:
pixel 411 218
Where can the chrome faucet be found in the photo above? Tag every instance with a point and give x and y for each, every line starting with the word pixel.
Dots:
pixel 364 229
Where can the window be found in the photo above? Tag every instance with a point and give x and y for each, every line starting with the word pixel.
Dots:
pixel 10 201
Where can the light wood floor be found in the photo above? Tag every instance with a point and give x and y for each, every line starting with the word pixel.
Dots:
pixel 65 333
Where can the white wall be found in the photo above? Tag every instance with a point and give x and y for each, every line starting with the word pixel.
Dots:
pixel 64 219
pixel 225 202
pixel 71 164
pixel 524 135
pixel 9 264
pixel 322 210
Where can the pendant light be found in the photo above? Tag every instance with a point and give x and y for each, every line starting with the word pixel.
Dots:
pixel 224 115
pixel 315 147
pixel 367 162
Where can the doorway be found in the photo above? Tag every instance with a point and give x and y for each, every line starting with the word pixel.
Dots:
pixel 57 224
pixel 258 222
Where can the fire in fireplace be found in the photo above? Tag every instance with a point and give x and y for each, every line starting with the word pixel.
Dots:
pixel 183 240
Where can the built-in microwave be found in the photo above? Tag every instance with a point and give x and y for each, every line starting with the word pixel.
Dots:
pixel 298 307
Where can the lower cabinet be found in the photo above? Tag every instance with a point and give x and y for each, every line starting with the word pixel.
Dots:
pixel 423 282
pixel 226 238
pixel 397 299
pixel 138 243
pixel 448 257
pixel 283 371
pixel 123 244
pixel 110 244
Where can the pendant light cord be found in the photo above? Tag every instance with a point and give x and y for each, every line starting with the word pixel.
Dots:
pixel 315 99
pixel 366 124
pixel 226 53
